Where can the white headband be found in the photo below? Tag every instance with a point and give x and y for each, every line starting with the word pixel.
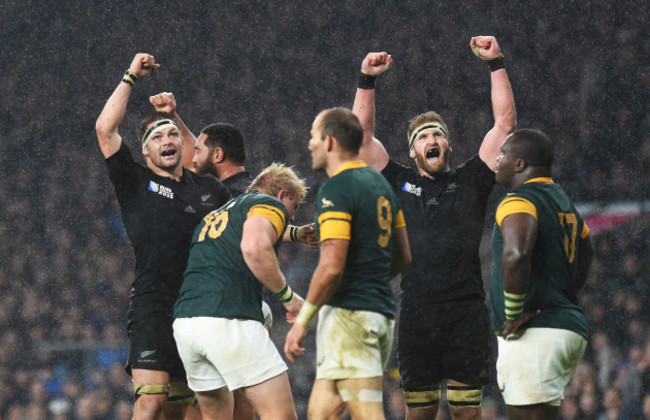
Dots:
pixel 424 127
pixel 158 126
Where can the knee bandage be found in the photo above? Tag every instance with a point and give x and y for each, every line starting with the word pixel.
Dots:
pixel 140 389
pixel 422 398
pixel 180 393
pixel 464 396
pixel 177 391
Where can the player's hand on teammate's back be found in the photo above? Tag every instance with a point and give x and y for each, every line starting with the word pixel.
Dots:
pixel 164 102
pixel 143 64
pixel 376 63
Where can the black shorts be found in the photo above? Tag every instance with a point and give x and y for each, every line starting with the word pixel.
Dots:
pixel 151 340
pixel 444 341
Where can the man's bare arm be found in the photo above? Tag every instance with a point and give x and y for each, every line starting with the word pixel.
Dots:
pixel 401 253
pixel 372 151
pixel 115 108
pixel 257 242
pixel 503 101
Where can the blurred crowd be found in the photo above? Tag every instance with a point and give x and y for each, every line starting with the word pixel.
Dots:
pixel 269 67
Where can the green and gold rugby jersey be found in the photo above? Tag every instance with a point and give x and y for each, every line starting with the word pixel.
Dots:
pixel 358 205
pixel 554 260
pixel 217 281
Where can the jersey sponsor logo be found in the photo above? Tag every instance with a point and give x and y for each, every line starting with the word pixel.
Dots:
pixel 161 190
pixel 326 203
pixel 189 209
pixel 410 188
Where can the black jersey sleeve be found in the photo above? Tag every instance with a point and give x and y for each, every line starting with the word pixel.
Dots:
pixel 122 168
pixel 480 174
pixel 396 174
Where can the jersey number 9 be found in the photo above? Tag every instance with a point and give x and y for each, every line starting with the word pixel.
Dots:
pixel 385 220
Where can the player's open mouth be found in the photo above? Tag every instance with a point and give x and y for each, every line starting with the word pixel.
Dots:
pixel 433 153
pixel 167 153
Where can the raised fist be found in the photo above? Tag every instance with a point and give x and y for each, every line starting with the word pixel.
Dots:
pixel 164 102
pixel 376 63
pixel 485 47
pixel 143 64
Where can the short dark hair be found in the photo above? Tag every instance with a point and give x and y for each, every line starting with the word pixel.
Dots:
pixel 344 126
pixel 533 146
pixel 229 138
pixel 155 116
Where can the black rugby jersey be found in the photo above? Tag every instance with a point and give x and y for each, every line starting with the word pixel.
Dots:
pixel 445 220
pixel 159 215
pixel 238 183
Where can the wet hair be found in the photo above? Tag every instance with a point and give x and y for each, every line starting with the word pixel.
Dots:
pixel 153 117
pixel 229 139
pixel 533 146
pixel 426 117
pixel 278 177
pixel 344 126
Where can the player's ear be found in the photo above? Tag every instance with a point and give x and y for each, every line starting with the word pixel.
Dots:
pixel 217 156
pixel 520 165
pixel 329 143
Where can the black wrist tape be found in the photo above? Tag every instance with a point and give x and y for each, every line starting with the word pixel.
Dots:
pixel 496 64
pixel 366 81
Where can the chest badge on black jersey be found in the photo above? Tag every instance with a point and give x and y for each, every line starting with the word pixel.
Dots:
pixel 161 190
pixel 413 189
pixel 205 198
pixel 452 186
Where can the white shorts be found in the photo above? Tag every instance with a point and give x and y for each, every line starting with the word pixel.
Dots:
pixel 352 344
pixel 536 367
pixel 232 352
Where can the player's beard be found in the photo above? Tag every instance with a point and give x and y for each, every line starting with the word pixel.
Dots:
pixel 433 169
pixel 205 168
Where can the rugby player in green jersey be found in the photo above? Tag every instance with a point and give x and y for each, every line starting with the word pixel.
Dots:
pixel 363 245
pixel 218 320
pixel 542 253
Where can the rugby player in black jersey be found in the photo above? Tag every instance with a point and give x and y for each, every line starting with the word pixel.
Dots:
pixel 220 150
pixel 161 203
pixel 443 329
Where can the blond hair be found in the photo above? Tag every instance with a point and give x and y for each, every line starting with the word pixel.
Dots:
pixel 278 177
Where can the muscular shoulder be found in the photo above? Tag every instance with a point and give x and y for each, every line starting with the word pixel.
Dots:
pixel 270 208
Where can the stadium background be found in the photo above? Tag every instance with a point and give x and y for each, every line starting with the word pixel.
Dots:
pixel 579 72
